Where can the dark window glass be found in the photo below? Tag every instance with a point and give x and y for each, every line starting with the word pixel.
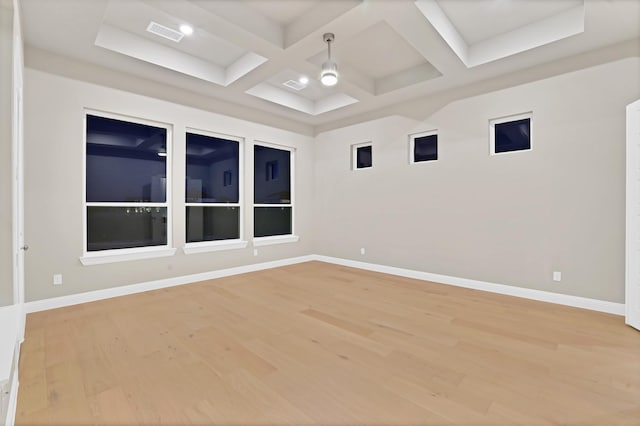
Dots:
pixel 270 221
pixel 425 148
pixel 274 186
pixel 212 169
pixel 126 162
pixel 125 227
pixel 364 157
pixel 513 135
pixel 212 223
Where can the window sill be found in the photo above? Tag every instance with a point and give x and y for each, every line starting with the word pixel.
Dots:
pixel 209 246
pixel 279 239
pixel 113 257
pixel 509 152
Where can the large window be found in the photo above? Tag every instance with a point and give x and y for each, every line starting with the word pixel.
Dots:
pixel 273 204
pixel 126 184
pixel 213 192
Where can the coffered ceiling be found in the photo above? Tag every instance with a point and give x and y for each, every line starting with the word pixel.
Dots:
pixel 393 56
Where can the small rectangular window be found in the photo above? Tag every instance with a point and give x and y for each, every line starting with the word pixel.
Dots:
pixel 213 210
pixel 362 156
pixel 423 147
pixel 126 197
pixel 509 134
pixel 273 204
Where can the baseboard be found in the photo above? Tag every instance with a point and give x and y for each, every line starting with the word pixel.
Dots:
pixel 544 296
pixel 526 293
pixel 91 296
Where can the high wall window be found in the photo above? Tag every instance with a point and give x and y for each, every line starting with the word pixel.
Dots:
pixel 213 188
pixel 362 156
pixel 509 134
pixel 126 198
pixel 423 147
pixel 273 203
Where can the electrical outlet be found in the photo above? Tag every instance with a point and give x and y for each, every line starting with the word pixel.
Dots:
pixel 557 276
pixel 57 279
pixel 362 251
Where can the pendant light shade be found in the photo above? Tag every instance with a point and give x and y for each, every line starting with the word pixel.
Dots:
pixel 329 74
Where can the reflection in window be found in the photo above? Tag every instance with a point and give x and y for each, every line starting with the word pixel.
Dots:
pixel 212 223
pixel 126 175
pixel 267 188
pixel 125 227
pixel 227 176
pixel 272 192
pixel 272 170
pixel 212 193
pixel 270 221
pixel 123 164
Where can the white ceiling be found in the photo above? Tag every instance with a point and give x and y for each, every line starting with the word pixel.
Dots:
pixel 391 54
pixel 476 20
pixel 283 12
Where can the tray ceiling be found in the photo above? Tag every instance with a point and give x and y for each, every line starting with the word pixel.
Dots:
pixel 390 53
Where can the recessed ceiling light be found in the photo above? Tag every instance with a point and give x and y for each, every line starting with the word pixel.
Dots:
pixel 304 79
pixel 186 29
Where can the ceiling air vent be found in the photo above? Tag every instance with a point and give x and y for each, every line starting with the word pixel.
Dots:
pixel 165 32
pixel 295 85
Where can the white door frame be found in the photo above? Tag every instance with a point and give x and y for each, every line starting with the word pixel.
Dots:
pixel 18 202
pixel 632 249
pixel 17 169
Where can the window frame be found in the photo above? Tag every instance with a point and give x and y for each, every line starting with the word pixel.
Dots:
pixel 275 239
pixel 217 245
pixel 135 253
pixel 354 155
pixel 412 145
pixel 507 119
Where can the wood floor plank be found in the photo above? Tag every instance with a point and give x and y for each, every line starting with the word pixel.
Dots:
pixel 111 407
pixel 321 344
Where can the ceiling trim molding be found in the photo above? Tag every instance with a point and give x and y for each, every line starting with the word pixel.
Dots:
pixel 120 41
pixel 423 107
pixel 419 109
pixel 536 34
pixel 42 60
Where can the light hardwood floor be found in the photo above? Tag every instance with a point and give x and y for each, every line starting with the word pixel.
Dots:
pixel 322 344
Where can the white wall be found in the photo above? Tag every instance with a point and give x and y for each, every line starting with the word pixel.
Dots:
pixel 54 197
pixel 509 219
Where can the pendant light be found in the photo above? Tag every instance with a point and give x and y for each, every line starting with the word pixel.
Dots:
pixel 329 74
